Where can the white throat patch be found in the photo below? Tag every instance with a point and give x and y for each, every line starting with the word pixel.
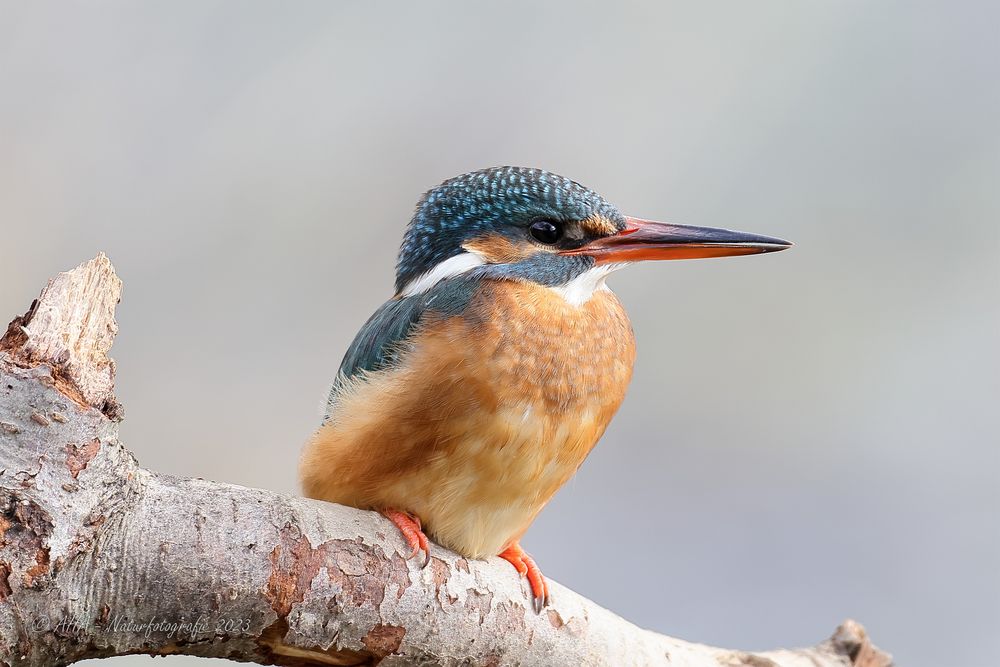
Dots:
pixel 453 266
pixel 579 290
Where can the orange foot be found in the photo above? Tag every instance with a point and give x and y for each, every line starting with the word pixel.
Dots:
pixel 409 526
pixel 526 567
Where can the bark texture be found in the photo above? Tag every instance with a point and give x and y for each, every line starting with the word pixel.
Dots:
pixel 100 557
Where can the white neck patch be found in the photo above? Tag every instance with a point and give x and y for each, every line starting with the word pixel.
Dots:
pixel 576 291
pixel 579 290
pixel 453 266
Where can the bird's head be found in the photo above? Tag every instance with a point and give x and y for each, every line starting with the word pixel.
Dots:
pixel 531 224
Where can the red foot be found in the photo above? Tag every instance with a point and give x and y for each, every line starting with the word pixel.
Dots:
pixel 526 567
pixel 409 526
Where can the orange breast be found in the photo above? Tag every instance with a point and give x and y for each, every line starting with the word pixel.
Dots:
pixel 489 414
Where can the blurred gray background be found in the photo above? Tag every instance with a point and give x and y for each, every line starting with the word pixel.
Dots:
pixel 809 436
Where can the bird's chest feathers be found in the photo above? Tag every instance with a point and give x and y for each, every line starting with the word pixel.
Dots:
pixel 560 359
pixel 538 381
pixel 523 384
pixel 541 378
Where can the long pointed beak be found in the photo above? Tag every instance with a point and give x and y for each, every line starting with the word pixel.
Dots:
pixel 645 239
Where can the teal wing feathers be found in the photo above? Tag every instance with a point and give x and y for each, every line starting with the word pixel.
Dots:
pixel 384 338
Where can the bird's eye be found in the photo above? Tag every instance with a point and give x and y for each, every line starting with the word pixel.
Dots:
pixel 546 231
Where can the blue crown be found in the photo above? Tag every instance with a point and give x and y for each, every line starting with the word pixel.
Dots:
pixel 465 206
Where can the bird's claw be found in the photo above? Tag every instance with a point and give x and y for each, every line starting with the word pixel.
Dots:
pixel 528 569
pixel 413 533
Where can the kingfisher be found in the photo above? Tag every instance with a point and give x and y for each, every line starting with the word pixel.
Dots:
pixel 474 393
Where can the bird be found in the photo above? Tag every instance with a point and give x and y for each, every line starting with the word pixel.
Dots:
pixel 478 389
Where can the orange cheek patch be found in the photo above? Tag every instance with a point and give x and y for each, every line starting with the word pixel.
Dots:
pixel 497 249
pixel 598 226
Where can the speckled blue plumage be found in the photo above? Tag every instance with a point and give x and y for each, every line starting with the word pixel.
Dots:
pixel 496 199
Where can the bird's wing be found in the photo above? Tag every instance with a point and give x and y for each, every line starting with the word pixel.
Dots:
pixel 382 341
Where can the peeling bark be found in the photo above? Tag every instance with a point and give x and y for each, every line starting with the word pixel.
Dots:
pixel 100 557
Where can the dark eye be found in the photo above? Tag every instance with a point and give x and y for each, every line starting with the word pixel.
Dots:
pixel 546 231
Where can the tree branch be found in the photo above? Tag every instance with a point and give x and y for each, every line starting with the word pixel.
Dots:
pixel 100 557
